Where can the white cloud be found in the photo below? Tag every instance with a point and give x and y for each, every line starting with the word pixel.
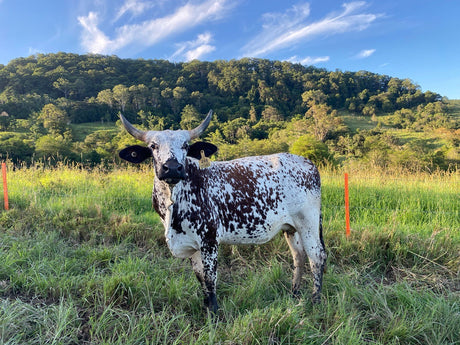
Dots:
pixel 149 32
pixel 196 49
pixel 291 27
pixel 33 51
pixel 365 53
pixel 308 60
pixel 292 17
pixel 93 39
pixel 199 52
pixel 135 7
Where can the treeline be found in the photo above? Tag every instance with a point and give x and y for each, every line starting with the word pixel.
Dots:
pixel 254 101
pixel 94 87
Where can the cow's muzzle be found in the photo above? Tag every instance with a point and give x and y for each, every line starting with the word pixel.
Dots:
pixel 171 172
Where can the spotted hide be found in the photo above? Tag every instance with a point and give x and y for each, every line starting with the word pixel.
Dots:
pixel 243 201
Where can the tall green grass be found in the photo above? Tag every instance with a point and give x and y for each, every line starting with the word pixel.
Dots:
pixel 84 261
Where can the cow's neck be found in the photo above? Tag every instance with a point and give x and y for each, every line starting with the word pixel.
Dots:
pixel 163 198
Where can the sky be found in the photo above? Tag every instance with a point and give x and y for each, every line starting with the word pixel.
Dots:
pixel 415 39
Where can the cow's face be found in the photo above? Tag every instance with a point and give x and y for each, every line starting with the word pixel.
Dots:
pixel 169 150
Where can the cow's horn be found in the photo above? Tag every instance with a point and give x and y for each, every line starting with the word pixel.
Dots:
pixel 136 133
pixel 196 132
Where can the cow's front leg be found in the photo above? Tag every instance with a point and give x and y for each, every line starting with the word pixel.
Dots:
pixel 197 266
pixel 204 264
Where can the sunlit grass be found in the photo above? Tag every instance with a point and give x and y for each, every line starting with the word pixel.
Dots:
pixel 425 203
pixel 81 130
pixel 84 262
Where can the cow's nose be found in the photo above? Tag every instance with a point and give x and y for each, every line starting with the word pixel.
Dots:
pixel 172 166
pixel 172 171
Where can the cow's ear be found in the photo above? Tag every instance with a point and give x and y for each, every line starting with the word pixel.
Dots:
pixel 135 154
pixel 195 149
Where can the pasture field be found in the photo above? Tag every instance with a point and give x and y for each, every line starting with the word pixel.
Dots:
pixel 83 261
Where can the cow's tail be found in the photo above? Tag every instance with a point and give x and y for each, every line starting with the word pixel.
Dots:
pixel 321 237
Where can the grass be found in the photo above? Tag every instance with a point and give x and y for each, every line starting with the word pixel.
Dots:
pixel 355 122
pixel 81 130
pixel 84 261
pixel 455 108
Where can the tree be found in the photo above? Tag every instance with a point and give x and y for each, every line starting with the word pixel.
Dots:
pixel 106 97
pixel 265 92
pixel 63 85
pixel 180 94
pixel 252 114
pixel 139 94
pixel 54 119
pixel 5 120
pixel 144 117
pixel 121 96
pixel 369 110
pixel 271 114
pixel 102 143
pixel 16 148
pixel 197 97
pixel 156 123
pixel 190 118
pixel 324 120
pixel 313 97
pixel 52 146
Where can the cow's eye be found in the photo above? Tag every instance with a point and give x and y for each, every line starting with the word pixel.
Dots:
pixel 153 146
pixel 185 146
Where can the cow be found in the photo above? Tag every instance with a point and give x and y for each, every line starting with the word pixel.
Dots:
pixel 242 201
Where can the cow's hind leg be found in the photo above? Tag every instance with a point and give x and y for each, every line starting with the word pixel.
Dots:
pixel 299 256
pixel 204 265
pixel 312 239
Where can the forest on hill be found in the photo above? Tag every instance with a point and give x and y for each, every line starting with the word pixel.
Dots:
pixel 64 107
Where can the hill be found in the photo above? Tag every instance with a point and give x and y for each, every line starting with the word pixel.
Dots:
pixel 261 106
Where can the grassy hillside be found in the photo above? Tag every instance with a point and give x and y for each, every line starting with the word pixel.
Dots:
pixel 82 130
pixel 84 262
pixel 455 108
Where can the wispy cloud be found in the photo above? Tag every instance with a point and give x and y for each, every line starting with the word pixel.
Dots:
pixel 32 51
pixel 365 53
pixel 135 7
pixel 195 49
pixel 92 38
pixel 308 60
pixel 286 29
pixel 150 32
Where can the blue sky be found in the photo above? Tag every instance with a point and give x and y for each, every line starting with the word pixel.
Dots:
pixel 415 39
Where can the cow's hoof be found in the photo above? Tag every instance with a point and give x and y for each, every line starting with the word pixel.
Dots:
pixel 210 302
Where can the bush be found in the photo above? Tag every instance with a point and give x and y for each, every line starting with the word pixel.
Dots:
pixel 49 146
pixel 14 147
pixel 317 151
pixel 248 147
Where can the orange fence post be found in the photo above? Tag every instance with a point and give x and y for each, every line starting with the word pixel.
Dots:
pixel 347 207
pixel 5 189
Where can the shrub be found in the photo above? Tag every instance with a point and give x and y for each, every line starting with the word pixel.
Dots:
pixel 315 150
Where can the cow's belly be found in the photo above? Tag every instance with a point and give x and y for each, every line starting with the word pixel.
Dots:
pixel 253 232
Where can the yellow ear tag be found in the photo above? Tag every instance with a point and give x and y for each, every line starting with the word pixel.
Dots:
pixel 205 162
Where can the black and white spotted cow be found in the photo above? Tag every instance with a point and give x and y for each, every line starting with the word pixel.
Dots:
pixel 243 201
